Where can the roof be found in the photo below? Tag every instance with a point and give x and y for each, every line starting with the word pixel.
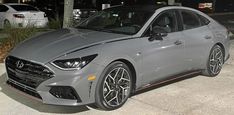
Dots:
pixel 15 4
pixel 150 8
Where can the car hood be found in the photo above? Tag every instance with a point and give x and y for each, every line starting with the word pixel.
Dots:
pixel 48 46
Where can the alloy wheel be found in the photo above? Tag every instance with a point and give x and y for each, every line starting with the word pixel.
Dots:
pixel 116 87
pixel 216 60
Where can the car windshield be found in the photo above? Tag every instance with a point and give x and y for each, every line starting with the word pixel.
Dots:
pixel 122 21
pixel 23 8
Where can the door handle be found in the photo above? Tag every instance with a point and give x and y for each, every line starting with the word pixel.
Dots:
pixel 178 42
pixel 208 37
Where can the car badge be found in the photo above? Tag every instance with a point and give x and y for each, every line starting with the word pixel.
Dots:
pixel 19 64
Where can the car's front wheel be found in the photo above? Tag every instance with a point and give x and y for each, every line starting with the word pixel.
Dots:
pixel 114 86
pixel 215 61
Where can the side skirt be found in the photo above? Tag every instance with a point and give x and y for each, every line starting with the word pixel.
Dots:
pixel 168 80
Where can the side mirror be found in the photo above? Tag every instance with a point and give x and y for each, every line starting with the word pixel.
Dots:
pixel 158 33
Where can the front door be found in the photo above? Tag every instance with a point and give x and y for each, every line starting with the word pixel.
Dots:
pixel 163 58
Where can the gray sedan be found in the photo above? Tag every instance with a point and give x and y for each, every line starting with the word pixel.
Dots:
pixel 117 52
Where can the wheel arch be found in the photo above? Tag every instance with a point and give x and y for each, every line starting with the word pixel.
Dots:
pixel 222 46
pixel 133 71
pixel 6 20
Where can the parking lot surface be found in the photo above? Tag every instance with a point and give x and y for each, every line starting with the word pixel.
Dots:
pixel 193 96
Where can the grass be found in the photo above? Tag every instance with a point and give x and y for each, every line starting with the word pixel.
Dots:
pixel 55 24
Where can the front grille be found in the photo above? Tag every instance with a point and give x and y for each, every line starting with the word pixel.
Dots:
pixel 26 72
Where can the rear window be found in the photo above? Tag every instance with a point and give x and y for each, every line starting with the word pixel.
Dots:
pixel 204 21
pixel 23 8
pixel 190 20
pixel 3 8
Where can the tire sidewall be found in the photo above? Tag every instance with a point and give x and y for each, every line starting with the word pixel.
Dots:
pixel 208 61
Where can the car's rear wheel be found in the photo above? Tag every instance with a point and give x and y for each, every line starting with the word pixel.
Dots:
pixel 114 87
pixel 7 24
pixel 215 61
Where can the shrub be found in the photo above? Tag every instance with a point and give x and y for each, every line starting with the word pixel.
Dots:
pixel 54 24
pixel 14 36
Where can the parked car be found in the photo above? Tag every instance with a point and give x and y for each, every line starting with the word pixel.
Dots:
pixel 81 14
pixel 21 15
pixel 117 52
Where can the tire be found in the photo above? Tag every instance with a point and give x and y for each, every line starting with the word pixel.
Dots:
pixel 7 24
pixel 114 86
pixel 214 62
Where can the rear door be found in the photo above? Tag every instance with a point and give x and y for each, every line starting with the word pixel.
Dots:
pixel 197 37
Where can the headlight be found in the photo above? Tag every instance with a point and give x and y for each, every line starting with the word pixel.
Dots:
pixel 76 63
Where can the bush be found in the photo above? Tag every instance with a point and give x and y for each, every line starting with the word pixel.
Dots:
pixel 54 24
pixel 17 35
pixel 14 37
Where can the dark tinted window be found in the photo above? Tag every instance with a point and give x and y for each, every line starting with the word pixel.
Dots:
pixel 166 22
pixel 190 20
pixel 3 8
pixel 203 20
pixel 23 8
pixel 121 20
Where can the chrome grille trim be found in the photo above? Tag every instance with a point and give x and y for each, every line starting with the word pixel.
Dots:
pixel 31 74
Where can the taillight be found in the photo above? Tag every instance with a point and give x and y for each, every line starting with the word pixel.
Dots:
pixel 18 15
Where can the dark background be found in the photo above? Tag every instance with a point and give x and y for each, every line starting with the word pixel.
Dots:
pixel 54 8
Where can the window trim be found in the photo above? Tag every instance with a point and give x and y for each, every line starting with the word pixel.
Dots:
pixel 179 20
pixel 5 8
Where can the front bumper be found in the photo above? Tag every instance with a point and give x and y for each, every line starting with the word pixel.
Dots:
pixel 77 80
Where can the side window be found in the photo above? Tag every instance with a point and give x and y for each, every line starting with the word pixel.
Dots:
pixel 3 8
pixel 203 20
pixel 190 20
pixel 165 22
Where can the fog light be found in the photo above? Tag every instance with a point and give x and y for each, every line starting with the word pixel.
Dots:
pixel 64 92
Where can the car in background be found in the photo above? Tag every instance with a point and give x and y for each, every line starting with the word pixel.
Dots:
pixel 206 7
pixel 21 15
pixel 82 14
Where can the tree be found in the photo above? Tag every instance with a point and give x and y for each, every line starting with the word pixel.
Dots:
pixel 68 16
